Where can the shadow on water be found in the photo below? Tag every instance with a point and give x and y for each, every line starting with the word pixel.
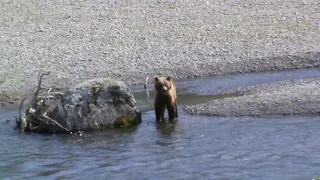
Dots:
pixel 194 147
pixel 166 127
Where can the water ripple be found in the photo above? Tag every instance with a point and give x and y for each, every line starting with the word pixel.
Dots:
pixel 194 147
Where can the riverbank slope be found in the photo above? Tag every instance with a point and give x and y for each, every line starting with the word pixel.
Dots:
pixel 129 40
pixel 295 97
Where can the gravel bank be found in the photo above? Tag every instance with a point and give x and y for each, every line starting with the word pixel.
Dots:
pixel 281 98
pixel 128 40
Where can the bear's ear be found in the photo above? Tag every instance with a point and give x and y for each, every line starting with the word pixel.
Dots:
pixel 168 78
pixel 156 79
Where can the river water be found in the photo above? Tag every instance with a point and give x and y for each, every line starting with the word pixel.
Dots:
pixel 195 147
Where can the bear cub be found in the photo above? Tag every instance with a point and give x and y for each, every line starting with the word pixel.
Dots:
pixel 166 97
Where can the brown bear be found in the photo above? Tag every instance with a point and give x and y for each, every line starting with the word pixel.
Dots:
pixel 166 98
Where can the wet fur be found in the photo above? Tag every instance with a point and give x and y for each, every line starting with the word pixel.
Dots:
pixel 166 98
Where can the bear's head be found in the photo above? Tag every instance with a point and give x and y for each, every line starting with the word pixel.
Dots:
pixel 162 84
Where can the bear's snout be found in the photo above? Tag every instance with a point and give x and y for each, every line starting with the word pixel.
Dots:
pixel 164 89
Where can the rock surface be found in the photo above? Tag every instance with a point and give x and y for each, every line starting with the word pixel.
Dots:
pixel 97 104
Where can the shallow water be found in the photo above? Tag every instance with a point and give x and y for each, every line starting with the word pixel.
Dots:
pixel 204 89
pixel 194 147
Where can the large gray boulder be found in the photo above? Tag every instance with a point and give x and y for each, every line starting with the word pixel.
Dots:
pixel 96 104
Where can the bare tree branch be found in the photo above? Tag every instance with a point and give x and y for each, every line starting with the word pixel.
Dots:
pixel 52 120
pixel 146 83
pixel 21 104
pixel 39 86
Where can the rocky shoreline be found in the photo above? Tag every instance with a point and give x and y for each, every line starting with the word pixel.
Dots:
pixel 295 97
pixel 132 40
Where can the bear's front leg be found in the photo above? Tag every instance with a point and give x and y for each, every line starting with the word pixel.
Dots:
pixel 159 112
pixel 172 112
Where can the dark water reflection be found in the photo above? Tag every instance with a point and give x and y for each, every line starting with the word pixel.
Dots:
pixel 193 147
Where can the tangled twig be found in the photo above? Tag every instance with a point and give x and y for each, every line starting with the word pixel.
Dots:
pixel 36 118
pixel 55 122
pixel 21 105
pixel 39 86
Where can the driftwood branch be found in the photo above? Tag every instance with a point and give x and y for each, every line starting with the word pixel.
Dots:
pixel 40 76
pixel 146 83
pixel 43 120
pixel 146 86
pixel 36 119
pixel 48 93
pixel 52 95
pixel 21 104
pixel 55 122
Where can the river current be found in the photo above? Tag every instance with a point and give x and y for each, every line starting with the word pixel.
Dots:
pixel 194 147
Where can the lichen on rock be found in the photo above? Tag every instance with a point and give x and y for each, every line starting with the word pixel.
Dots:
pixel 126 121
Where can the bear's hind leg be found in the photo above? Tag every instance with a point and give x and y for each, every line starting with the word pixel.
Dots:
pixel 176 110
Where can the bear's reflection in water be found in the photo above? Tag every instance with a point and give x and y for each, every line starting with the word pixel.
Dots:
pixel 167 127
